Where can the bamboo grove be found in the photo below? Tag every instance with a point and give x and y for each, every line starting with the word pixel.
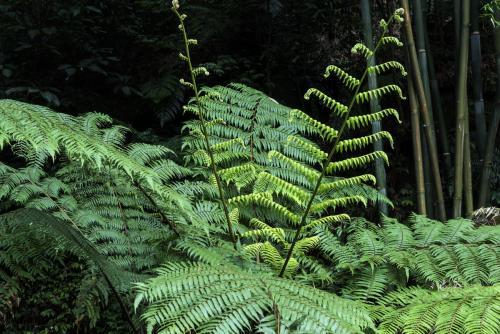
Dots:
pixel 252 225
pixel 444 176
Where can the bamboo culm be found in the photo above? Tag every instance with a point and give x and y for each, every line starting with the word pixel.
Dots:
pixel 374 104
pixel 417 147
pixel 477 80
pixel 428 126
pixel 462 108
pixel 493 128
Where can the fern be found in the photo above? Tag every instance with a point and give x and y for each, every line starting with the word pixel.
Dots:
pixel 211 299
pixel 472 310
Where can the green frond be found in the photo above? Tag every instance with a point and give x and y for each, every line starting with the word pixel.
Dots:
pixel 336 107
pixel 327 220
pixel 223 299
pixel 269 183
pixel 387 66
pixel 356 122
pixel 266 201
pixel 347 79
pixel 360 48
pixel 287 162
pixel 472 310
pixel 343 183
pixel 387 40
pixel 338 202
pixel 321 129
pixel 349 145
pixel 378 93
pixel 356 162
pixel 308 148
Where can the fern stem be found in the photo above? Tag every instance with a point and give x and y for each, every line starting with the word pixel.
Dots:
pixel 170 223
pixel 330 155
pixel 204 128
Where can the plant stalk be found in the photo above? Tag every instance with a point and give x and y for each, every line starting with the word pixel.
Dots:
pixel 493 128
pixel 477 80
pixel 210 153
pixel 328 160
pixel 417 147
pixel 462 108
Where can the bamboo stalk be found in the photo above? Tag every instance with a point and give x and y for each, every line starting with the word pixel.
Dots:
pixel 461 108
pixel 469 202
pixel 477 80
pixel 429 189
pixel 374 104
pixel 441 119
pixel 493 128
pixel 428 126
pixel 417 148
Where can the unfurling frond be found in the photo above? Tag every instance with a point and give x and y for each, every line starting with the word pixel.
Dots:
pixel 347 79
pixel 321 129
pixel 360 48
pixel 334 106
pixel 384 67
pixel 361 142
pixel 355 122
pixel 377 93
pixel 356 162
pixel 391 40
pixel 342 183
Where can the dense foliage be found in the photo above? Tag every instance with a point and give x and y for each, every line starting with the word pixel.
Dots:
pixel 248 222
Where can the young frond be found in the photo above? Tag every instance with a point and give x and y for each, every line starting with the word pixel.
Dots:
pixel 356 122
pixel 384 67
pixel 343 183
pixel 360 48
pixel 347 79
pixel 266 201
pixel 323 130
pixel 356 162
pixel 349 145
pixel 391 40
pixel 377 93
pixel 336 107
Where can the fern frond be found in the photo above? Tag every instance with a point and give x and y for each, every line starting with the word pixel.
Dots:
pixel 336 107
pixel 361 142
pixel 378 93
pixel 384 67
pixel 356 162
pixel 347 79
pixel 356 122
pixel 188 297
pixel 471 310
